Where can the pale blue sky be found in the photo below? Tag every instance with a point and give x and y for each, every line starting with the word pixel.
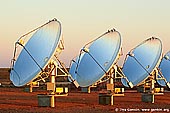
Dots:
pixel 84 20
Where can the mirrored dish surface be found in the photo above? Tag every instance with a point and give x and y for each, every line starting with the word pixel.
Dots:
pixel 104 50
pixel 142 61
pixel 41 46
pixel 165 69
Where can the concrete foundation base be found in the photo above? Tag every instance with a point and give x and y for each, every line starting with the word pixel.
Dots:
pixel 148 97
pixel 105 99
pixel 44 100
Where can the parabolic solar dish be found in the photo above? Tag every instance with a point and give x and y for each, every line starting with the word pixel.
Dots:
pixel 141 61
pixel 36 53
pixel 165 69
pixel 91 65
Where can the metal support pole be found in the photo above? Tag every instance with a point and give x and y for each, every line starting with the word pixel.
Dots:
pixel 152 89
pixel 113 75
pixel 88 89
pixel 53 74
pixel 31 87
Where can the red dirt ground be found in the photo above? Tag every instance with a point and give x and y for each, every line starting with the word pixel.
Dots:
pixel 15 100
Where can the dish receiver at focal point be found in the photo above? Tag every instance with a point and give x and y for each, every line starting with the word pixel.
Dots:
pixel 96 59
pixel 36 53
pixel 141 61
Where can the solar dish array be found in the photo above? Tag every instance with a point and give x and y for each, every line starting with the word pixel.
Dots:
pixel 165 69
pixel 36 53
pixel 142 60
pixel 95 60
